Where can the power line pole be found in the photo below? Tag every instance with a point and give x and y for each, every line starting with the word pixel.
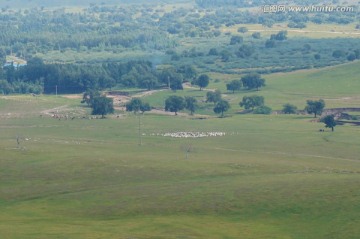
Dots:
pixel 140 140
pixel 56 90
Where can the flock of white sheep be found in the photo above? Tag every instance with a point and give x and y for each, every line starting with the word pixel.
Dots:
pixel 190 134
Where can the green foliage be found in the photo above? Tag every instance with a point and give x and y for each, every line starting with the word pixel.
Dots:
pixel 173 79
pixel 264 110
pixel 289 109
pixel 242 29
pixel 253 81
pixel 250 102
pixel 234 85
pixel 329 122
pixel 245 51
pixel 221 107
pixel 338 53
pixel 102 106
pixel 213 96
pixel 191 104
pixel 213 52
pixel 174 104
pixel 137 105
pixel 256 35
pixel 236 40
pixel 202 81
pixel 280 36
pixel 270 43
pixel 315 107
pixel 89 96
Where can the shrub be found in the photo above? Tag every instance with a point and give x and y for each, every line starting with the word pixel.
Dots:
pixel 264 110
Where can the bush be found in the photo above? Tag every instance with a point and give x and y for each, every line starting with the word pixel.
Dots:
pixel 263 110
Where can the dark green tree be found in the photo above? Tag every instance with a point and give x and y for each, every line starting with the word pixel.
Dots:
pixel 234 85
pixel 280 36
pixel 253 81
pixel 236 40
pixel 172 78
pixel 221 107
pixel 202 81
pixel 329 122
pixel 102 106
pixel 137 105
pixel 250 102
pixel 174 104
pixel 256 35
pixel 289 109
pixel 189 72
pixel 213 96
pixel 315 107
pixel 245 51
pixel 191 104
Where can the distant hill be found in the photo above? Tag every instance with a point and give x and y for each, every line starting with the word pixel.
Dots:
pixel 62 3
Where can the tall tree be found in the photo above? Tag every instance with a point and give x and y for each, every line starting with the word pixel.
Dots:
pixel 213 96
pixel 174 104
pixel 289 109
pixel 137 105
pixel 102 106
pixel 234 85
pixel 191 104
pixel 315 107
pixel 221 107
pixel 253 81
pixel 250 102
pixel 202 81
pixel 329 121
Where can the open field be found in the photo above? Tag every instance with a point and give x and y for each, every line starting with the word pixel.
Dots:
pixel 271 176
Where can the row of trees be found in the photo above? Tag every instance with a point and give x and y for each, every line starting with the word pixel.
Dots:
pixel 101 105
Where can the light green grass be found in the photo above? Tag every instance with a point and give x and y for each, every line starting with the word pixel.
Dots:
pixel 271 176
pixel 337 85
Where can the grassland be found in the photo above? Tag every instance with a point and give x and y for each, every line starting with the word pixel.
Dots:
pixel 271 176
pixel 337 85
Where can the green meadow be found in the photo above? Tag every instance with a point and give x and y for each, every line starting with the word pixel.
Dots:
pixel 270 176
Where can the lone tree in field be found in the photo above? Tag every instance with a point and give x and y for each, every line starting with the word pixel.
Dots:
pixel 191 104
pixel 289 109
pixel 234 85
pixel 221 107
pixel 329 122
pixel 213 96
pixel 202 81
pixel 315 107
pixel 137 105
pixel 253 81
pixel 102 106
pixel 174 104
pixel 250 102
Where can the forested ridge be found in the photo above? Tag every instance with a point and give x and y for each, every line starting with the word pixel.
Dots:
pixel 103 45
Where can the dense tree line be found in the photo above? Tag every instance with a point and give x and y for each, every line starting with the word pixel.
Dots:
pixel 39 77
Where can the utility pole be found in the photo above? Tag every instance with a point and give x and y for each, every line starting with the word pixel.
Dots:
pixel 140 140
pixel 56 90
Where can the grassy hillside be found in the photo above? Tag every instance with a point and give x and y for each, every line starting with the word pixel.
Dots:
pixel 271 176
pixel 338 86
